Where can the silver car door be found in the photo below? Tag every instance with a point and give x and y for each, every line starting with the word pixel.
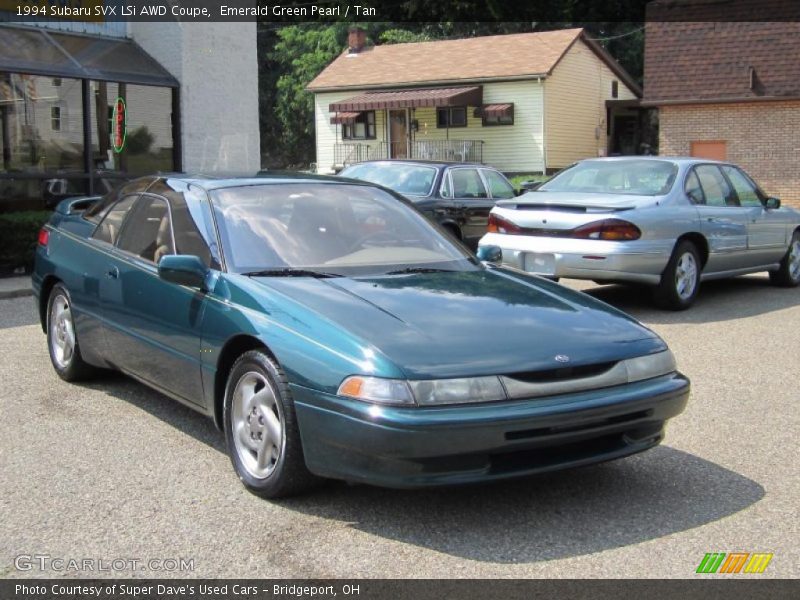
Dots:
pixel 766 229
pixel 722 221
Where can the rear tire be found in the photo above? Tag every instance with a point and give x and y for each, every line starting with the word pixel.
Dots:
pixel 62 339
pixel 680 280
pixel 261 429
pixel 788 275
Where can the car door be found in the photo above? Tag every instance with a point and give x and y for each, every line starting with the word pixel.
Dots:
pixel 472 202
pixel 722 221
pixel 766 229
pixel 154 326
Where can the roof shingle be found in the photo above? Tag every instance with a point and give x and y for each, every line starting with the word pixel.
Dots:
pixel 702 62
pixel 488 57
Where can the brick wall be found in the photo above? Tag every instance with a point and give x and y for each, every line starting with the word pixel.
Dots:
pixel 762 137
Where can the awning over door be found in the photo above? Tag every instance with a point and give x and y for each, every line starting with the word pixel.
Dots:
pixel 56 54
pixel 411 98
pixel 344 118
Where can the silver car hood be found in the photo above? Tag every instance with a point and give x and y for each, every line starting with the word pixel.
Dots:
pixel 592 202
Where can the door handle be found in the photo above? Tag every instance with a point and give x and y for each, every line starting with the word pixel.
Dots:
pixel 112 273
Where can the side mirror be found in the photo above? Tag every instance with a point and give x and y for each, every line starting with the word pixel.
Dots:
pixel 529 186
pixel 490 254
pixel 772 203
pixel 183 269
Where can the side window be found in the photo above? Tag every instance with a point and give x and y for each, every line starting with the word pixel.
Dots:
pixel 467 183
pixel 109 227
pixel 498 185
pixel 693 189
pixel 148 231
pixel 716 190
pixel 745 189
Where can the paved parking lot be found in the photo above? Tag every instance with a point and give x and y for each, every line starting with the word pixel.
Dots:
pixel 113 470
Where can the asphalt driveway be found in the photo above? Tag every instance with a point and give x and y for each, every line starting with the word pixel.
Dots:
pixel 112 470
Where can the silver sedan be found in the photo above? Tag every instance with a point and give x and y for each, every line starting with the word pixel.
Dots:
pixel 666 222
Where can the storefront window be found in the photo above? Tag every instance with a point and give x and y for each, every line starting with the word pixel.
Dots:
pixel 41 123
pixel 146 146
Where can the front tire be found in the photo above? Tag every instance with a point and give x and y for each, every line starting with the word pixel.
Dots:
pixel 788 274
pixel 62 340
pixel 680 280
pixel 261 429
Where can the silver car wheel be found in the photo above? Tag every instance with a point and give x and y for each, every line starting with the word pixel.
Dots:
pixel 62 332
pixel 686 276
pixel 258 425
pixel 794 260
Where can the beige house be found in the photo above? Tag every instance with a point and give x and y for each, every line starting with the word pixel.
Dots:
pixel 522 103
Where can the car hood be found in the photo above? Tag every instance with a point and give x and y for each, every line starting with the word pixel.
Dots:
pixel 593 201
pixel 482 322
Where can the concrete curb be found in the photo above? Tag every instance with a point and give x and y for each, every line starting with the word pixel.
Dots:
pixel 15 287
pixel 21 293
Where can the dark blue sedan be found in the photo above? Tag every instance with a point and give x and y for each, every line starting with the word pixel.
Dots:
pixel 332 331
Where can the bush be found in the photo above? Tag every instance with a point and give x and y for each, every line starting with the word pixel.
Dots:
pixel 18 237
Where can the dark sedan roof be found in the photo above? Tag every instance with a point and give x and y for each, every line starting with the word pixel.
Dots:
pixel 223 180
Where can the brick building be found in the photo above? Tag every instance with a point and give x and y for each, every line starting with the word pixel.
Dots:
pixel 729 90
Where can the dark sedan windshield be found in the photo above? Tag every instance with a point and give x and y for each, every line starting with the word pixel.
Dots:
pixel 407 179
pixel 330 228
pixel 635 177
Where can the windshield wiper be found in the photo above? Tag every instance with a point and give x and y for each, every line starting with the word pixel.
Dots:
pixel 291 272
pixel 419 270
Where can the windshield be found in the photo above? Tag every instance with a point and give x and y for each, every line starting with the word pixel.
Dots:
pixel 331 228
pixel 412 180
pixel 635 177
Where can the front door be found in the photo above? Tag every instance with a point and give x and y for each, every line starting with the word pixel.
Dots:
pixel 398 134
pixel 766 229
pixel 154 326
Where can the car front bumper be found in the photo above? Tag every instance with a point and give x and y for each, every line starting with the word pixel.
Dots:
pixel 640 261
pixel 418 447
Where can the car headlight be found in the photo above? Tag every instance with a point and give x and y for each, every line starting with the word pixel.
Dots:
pixel 652 365
pixel 423 392
pixel 377 390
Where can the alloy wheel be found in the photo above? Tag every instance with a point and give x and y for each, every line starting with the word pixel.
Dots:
pixel 794 260
pixel 258 425
pixel 686 276
pixel 62 332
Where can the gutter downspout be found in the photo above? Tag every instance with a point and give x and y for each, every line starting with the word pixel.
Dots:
pixel 544 135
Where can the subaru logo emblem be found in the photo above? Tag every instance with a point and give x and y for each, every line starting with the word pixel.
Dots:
pixel 562 358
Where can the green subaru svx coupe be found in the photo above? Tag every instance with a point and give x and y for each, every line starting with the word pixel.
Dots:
pixel 332 331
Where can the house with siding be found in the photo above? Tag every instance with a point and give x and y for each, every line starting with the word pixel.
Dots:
pixel 729 91
pixel 522 103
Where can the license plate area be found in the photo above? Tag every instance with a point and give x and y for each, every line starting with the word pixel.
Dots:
pixel 540 263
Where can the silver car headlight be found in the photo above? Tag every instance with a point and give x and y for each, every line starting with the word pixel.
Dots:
pixel 431 392
pixel 652 365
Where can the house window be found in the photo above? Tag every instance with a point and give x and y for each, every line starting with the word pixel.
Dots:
pixel 615 89
pixel 363 128
pixel 57 82
pixel 55 118
pixel 506 118
pixel 451 117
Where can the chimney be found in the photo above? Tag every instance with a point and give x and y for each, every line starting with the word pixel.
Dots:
pixel 356 40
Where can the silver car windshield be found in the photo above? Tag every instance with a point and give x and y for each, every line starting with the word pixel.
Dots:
pixel 411 180
pixel 331 228
pixel 634 177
